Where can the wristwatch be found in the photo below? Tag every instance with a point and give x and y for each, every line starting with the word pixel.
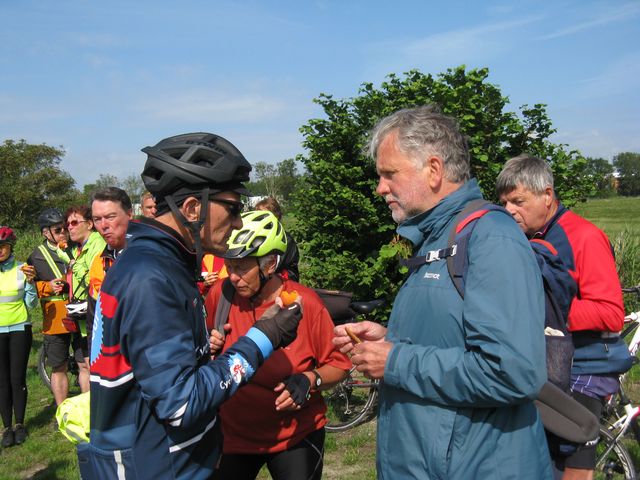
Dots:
pixel 317 381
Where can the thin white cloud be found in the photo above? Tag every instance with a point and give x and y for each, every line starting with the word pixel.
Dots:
pixel 625 12
pixel 97 40
pixel 202 106
pixel 618 78
pixel 477 44
pixel 598 142
pixel 99 61
pixel 14 110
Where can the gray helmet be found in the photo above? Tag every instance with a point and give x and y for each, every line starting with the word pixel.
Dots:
pixel 193 161
pixel 49 217
pixel 193 164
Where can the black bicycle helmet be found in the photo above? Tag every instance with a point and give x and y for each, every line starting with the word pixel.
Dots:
pixel 193 164
pixel 194 160
pixel 49 217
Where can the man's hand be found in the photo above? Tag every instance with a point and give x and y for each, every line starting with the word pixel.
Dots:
pixel 371 357
pixel 216 340
pixel 366 331
pixel 210 279
pixel 57 285
pixel 280 325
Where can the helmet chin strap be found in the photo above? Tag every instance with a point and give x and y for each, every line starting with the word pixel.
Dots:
pixel 193 227
pixel 263 278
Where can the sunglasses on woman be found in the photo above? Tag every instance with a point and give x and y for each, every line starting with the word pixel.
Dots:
pixel 75 223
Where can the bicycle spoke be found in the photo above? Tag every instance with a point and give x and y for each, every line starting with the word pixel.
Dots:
pixel 351 402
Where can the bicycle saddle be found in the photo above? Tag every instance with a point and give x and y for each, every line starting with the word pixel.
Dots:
pixel 364 308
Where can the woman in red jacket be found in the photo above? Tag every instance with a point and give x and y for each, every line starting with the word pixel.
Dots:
pixel 278 418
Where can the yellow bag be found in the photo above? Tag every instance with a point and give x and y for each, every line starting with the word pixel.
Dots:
pixel 73 418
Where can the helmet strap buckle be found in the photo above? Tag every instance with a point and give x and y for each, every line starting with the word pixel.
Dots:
pixel 194 227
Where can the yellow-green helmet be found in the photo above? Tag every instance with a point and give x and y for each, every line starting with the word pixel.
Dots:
pixel 261 234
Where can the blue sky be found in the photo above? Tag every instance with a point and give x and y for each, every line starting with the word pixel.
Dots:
pixel 104 79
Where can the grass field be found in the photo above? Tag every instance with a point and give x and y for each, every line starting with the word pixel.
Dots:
pixel 613 215
pixel 349 456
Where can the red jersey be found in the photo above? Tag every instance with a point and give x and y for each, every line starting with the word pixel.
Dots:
pixel 250 422
pixel 586 251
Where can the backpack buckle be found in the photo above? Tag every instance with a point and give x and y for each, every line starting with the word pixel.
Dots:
pixel 432 256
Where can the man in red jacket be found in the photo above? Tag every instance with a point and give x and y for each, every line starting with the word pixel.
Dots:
pixel 525 188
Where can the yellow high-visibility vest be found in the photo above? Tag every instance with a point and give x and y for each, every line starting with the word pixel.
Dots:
pixel 12 307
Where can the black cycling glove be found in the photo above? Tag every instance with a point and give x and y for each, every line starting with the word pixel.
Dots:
pixel 280 325
pixel 298 386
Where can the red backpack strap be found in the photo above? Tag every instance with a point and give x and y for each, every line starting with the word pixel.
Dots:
pixel 464 223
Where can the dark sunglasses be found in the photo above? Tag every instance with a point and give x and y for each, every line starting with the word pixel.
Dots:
pixel 58 230
pixel 75 223
pixel 234 208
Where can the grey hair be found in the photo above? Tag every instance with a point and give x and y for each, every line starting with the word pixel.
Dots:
pixel 530 172
pixel 424 131
pixel 264 262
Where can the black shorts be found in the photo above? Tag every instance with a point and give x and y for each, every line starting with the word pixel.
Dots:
pixel 56 348
pixel 585 455
pixel 303 461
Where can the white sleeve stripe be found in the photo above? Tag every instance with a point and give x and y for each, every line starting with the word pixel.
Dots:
pixel 111 383
pixel 180 411
pixel 197 438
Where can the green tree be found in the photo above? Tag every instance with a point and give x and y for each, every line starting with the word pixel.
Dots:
pixel 601 171
pixel 346 232
pixel 32 180
pixel 266 177
pixel 278 181
pixel 288 178
pixel 132 184
pixel 628 166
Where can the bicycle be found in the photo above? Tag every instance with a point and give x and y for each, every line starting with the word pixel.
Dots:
pixel 620 416
pixel 354 400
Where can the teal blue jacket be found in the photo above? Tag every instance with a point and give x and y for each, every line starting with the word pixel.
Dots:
pixel 456 398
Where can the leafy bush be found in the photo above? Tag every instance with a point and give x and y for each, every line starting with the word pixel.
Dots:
pixel 345 230
pixel 27 241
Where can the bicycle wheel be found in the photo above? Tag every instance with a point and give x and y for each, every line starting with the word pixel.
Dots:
pixel 351 402
pixel 612 459
pixel 44 371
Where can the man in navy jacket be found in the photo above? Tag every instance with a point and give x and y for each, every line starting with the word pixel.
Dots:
pixel 155 391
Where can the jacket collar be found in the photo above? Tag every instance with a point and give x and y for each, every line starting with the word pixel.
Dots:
pixel 8 264
pixel 149 228
pixel 431 224
pixel 543 231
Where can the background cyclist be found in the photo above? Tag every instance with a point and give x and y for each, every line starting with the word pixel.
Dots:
pixel 88 244
pixel 53 290
pixel 525 188
pixel 17 292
